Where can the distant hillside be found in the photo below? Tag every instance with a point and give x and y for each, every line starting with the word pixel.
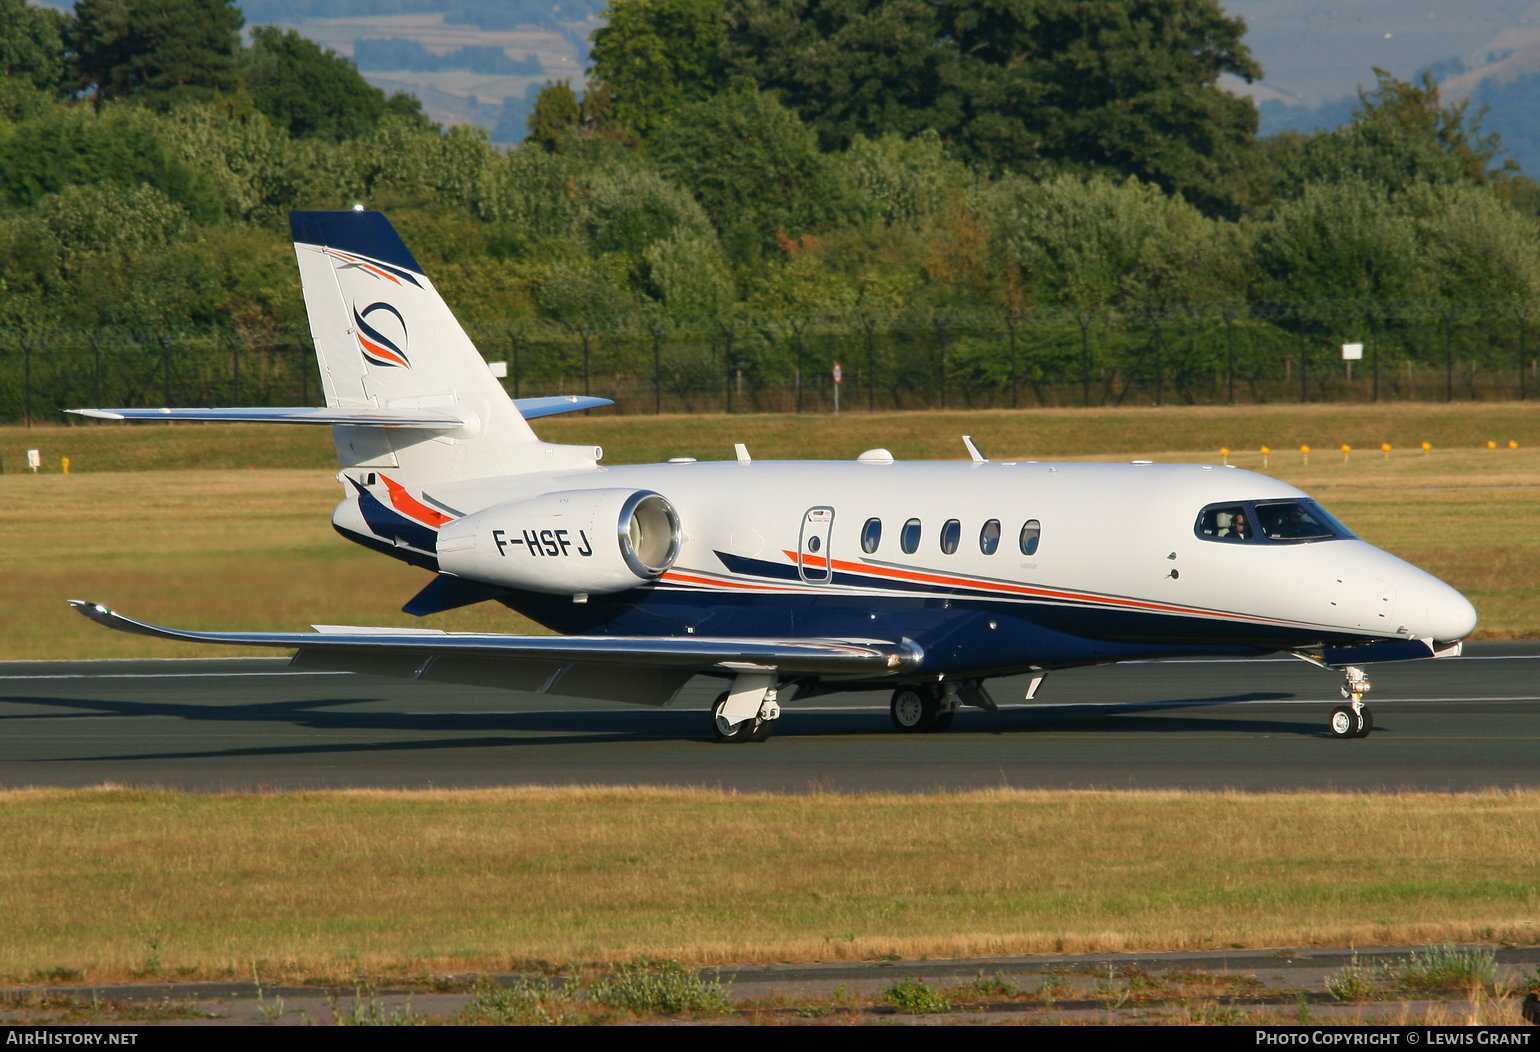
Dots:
pixel 1316 55
pixel 469 61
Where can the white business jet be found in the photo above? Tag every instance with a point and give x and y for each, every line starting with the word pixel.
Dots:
pixel 787 579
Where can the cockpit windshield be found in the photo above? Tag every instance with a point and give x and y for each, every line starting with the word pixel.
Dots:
pixel 1269 521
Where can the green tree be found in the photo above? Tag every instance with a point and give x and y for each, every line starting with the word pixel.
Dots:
pixel 1401 136
pixel 557 115
pixel 1342 243
pixel 755 169
pixel 657 55
pixel 258 170
pixel 121 144
pixel 1127 86
pixel 687 274
pixel 1098 248
pixel 32 44
pixel 157 51
pixel 904 180
pixel 1415 110
pixel 307 89
pixel 584 296
pixel 1481 267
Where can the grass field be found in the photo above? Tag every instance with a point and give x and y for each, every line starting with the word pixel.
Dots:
pixel 227 526
pixel 111 884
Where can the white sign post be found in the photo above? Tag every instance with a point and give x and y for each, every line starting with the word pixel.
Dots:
pixel 34 460
pixel 1352 352
pixel 839 377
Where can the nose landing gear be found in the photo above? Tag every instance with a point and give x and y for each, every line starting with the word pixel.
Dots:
pixel 1352 720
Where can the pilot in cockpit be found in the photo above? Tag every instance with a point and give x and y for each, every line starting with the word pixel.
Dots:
pixel 1231 524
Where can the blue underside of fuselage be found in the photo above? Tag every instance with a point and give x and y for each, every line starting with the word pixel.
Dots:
pixel 959 636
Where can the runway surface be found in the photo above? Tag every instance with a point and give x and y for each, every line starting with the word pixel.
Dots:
pixel 1260 724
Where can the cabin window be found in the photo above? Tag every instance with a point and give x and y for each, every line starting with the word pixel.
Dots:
pixel 989 537
pixel 909 540
pixel 951 536
pixel 871 535
pixel 1031 533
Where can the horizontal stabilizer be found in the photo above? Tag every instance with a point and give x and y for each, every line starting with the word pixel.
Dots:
pixel 448 592
pixel 855 658
pixel 363 416
pixel 423 419
pixel 535 408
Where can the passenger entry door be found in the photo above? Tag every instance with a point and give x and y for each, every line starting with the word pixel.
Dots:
pixel 813 547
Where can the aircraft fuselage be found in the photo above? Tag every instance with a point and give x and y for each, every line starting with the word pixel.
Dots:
pixel 990 568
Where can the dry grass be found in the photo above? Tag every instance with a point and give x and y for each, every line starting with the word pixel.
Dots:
pixel 113 882
pixel 239 549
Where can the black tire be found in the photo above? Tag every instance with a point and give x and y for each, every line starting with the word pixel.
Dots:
pixel 1366 723
pixel 1344 722
pixel 914 710
pixel 750 730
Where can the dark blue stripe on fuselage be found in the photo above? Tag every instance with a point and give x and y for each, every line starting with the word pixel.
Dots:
pixel 391 525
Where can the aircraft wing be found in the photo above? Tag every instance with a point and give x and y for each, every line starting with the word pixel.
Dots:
pixel 645 669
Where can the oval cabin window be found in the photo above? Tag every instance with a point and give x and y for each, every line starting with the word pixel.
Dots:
pixel 1031 533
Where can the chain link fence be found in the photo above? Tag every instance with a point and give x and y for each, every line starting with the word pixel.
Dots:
pixel 1097 356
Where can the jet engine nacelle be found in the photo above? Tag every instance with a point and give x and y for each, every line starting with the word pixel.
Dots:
pixel 583 541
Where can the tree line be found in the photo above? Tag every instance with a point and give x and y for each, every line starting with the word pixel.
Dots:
pixel 1004 202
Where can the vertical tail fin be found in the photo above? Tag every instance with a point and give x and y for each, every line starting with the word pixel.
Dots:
pixel 386 340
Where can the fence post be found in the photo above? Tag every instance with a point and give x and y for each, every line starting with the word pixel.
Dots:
pixel 26 359
pixel 96 362
pixel 940 324
pixel 1523 317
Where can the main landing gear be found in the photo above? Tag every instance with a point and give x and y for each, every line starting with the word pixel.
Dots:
pixel 925 708
pixel 1352 720
pixel 747 712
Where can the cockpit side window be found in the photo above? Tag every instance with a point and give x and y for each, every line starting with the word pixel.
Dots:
pixel 1271 521
pixel 1228 522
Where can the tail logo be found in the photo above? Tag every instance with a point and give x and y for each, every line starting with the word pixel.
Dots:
pixel 381 334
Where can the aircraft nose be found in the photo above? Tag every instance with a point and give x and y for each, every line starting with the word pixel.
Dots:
pixel 1451 616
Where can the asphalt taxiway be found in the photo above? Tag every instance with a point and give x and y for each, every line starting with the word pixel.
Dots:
pixel 1260 724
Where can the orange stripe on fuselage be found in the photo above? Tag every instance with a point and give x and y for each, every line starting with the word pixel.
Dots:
pixel 1008 589
pixel 411 507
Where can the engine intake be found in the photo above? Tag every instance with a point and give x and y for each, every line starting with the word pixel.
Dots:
pixel 584 541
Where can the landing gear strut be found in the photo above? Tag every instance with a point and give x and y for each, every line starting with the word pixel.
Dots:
pixel 1352 720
